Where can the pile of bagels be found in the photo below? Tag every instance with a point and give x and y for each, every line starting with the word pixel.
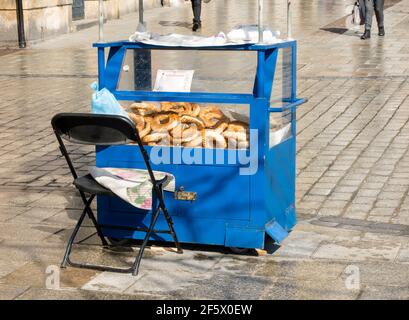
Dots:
pixel 187 125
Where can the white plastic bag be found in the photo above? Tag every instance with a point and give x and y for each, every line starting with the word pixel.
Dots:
pixel 104 102
pixel 250 34
pixel 358 13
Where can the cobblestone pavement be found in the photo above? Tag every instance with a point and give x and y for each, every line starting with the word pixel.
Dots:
pixel 353 166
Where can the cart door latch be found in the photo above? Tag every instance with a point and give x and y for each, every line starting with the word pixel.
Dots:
pixel 183 195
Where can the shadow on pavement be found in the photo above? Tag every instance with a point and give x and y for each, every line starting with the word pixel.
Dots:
pixel 186 25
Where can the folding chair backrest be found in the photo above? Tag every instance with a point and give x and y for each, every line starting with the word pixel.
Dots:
pixel 97 129
pixel 94 129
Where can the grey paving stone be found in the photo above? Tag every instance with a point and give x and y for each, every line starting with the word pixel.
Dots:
pixel 237 287
pixel 10 231
pixel 111 282
pixel 403 255
pixel 301 270
pixel 358 251
pixel 33 216
pixel 384 293
pixel 311 290
pixel 11 292
pixel 67 294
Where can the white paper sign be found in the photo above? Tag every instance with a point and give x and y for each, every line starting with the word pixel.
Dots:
pixel 174 80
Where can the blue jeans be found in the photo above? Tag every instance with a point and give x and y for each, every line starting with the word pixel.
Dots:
pixel 370 7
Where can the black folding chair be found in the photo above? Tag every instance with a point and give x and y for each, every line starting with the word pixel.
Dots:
pixel 107 130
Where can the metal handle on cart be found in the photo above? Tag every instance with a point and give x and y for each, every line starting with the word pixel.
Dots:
pixel 183 195
pixel 288 106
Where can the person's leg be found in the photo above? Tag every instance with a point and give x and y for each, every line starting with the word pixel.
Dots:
pixel 197 10
pixel 362 11
pixel 379 4
pixel 369 9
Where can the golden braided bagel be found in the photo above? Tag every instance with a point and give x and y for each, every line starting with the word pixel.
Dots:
pixel 187 130
pixel 181 108
pixel 195 143
pixel 237 144
pixel 236 130
pixel 164 122
pixel 142 126
pixel 157 139
pixel 212 116
pixel 214 139
pixel 143 108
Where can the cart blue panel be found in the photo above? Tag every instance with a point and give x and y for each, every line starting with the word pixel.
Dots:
pixel 243 236
pixel 208 231
pixel 231 209
pixel 221 191
pixel 280 185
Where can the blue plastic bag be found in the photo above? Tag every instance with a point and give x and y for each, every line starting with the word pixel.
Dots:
pixel 104 102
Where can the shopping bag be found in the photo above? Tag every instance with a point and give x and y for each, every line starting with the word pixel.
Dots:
pixel 358 13
pixel 104 102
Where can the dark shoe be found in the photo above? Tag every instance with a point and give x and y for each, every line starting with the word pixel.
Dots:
pixel 366 35
pixel 196 26
pixel 381 31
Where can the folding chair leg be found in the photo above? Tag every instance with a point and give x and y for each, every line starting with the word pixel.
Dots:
pixel 96 225
pixel 74 233
pixel 135 267
pixel 169 220
pixel 94 221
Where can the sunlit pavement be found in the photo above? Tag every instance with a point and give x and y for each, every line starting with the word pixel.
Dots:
pixel 352 240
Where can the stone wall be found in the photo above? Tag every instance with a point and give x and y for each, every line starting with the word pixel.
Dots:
pixel 114 9
pixel 47 18
pixel 42 19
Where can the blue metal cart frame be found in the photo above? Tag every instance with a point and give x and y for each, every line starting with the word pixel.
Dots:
pixel 232 210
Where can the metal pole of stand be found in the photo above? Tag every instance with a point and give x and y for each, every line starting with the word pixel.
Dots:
pixel 141 26
pixel 142 59
pixel 20 24
pixel 289 18
pixel 260 21
pixel 101 21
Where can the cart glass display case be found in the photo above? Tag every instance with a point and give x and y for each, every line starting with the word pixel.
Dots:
pixel 229 142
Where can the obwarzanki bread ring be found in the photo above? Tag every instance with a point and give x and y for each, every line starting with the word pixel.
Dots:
pixel 157 139
pixel 163 122
pixel 237 144
pixel 211 116
pixel 187 130
pixel 236 130
pixel 221 126
pixel 144 108
pixel 213 139
pixel 181 108
pixel 195 143
pixel 195 110
pixel 172 107
pixel 142 126
pixel 192 120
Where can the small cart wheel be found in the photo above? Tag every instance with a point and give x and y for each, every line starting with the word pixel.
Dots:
pixel 236 250
pixel 119 242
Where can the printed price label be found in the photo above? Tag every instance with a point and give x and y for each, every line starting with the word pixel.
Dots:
pixel 174 80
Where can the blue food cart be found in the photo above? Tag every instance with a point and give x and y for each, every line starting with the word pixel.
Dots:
pixel 217 201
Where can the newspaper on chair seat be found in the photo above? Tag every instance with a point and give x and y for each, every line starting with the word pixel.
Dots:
pixel 131 185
